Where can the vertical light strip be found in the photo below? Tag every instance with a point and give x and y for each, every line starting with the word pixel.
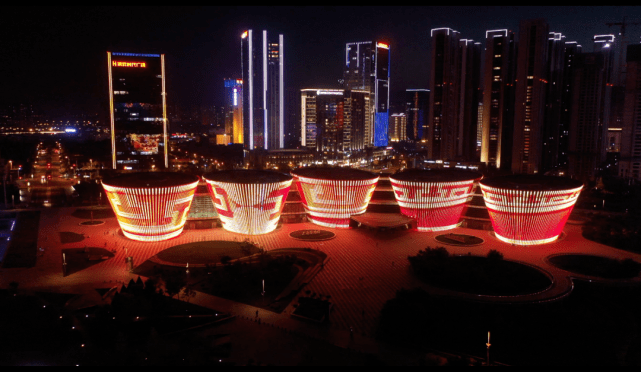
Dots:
pixel 346 55
pixel 164 112
pixel 265 111
pixel 303 121
pixel 111 113
pixel 281 108
pixel 251 89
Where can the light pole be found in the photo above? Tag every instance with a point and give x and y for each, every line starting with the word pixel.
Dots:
pixel 263 292
pixel 488 349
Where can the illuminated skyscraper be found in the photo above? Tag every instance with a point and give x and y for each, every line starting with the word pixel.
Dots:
pixel 367 69
pixel 498 98
pixel 630 163
pixel 137 103
pixel 263 90
pixel 234 110
pixel 445 95
pixel 417 110
pixel 554 102
pixel 572 50
pixel 398 127
pixel 529 108
pixel 454 96
pixel 470 98
pixel 588 131
pixel 333 120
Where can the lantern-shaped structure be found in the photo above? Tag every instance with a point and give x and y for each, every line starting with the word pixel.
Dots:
pixel 151 206
pixel 332 195
pixel 529 209
pixel 249 201
pixel 436 198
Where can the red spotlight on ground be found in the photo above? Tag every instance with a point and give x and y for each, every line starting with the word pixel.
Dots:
pixel 529 209
pixel 151 206
pixel 332 195
pixel 436 198
pixel 249 201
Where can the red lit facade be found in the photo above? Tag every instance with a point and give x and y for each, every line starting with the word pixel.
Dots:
pixel 436 206
pixel 249 208
pixel 151 213
pixel 331 202
pixel 527 216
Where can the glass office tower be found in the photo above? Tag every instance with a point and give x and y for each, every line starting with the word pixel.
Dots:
pixel 137 103
pixel 263 90
pixel 367 68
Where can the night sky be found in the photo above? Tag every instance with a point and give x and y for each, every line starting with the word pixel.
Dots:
pixel 55 58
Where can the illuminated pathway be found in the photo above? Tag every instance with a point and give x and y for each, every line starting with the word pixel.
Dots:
pixel 365 267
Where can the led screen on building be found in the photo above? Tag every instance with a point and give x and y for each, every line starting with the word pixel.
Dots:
pixel 145 144
pixel 151 206
pixel 249 201
pixel 332 195
pixel 529 210
pixel 138 108
pixel 435 198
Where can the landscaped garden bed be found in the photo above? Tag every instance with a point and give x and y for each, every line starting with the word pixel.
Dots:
pixel 597 266
pixel 313 308
pixel 489 275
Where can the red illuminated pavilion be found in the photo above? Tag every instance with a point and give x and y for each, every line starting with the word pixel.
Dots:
pixel 249 201
pixel 151 206
pixel 436 198
pixel 332 195
pixel 529 209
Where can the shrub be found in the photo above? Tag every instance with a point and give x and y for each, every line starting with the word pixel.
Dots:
pixel 493 254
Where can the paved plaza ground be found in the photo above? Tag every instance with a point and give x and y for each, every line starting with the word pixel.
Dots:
pixel 365 268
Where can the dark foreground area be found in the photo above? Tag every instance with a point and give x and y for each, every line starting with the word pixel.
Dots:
pixel 596 325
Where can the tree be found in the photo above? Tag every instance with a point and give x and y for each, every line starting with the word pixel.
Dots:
pixel 494 255
pixel 225 260
pixel 13 287
pixel 187 293
pixel 174 283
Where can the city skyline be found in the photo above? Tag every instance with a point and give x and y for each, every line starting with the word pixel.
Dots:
pixel 55 58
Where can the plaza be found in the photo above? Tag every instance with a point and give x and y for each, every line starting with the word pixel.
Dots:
pixel 364 267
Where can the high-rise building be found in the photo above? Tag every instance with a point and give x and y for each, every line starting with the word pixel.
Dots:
pixel 398 127
pixel 610 47
pixel 367 69
pixel 333 120
pixel 470 98
pixel 572 50
pixel 630 161
pixel 137 103
pixel 445 94
pixel 417 110
pixel 234 110
pixel 454 96
pixel 554 102
pixel 531 78
pixel 263 90
pixel 498 98
pixel 588 131
pixel 292 118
